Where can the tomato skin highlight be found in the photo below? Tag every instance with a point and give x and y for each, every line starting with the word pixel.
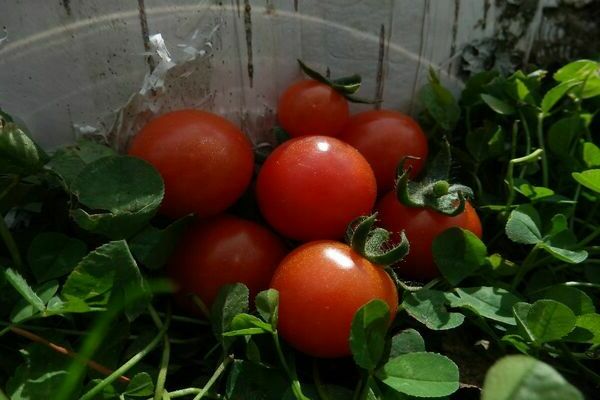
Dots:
pixel 312 187
pixel 225 250
pixel 309 107
pixel 384 137
pixel 205 161
pixel 321 286
pixel 422 226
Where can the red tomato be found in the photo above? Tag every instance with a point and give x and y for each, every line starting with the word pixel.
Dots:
pixel 384 137
pixel 321 286
pixel 312 187
pixel 309 107
pixel 205 161
pixel 422 225
pixel 225 250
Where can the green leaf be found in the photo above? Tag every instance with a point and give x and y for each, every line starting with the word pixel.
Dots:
pixel 499 106
pixel 521 226
pixel 248 380
pixel 520 311
pixel 440 103
pixel 21 286
pixel 23 310
pixel 577 300
pixel 554 95
pixel 489 302
pixel 562 134
pixel 141 385
pixel 128 188
pixel 591 155
pixel 40 375
pixel 587 330
pixel 421 374
pixel 113 226
pixel 470 95
pixel 590 179
pixel 52 255
pixel 231 301
pixel 246 324
pixel 18 153
pixel 406 341
pixel 458 253
pixel 367 334
pixel 267 305
pixel 485 143
pixel 534 193
pixel 559 241
pixel 524 378
pixel 579 69
pixel 429 308
pixel 107 273
pixel 68 162
pixel 119 184
pixel 129 291
pixel 152 247
pixel 549 320
pixel 586 71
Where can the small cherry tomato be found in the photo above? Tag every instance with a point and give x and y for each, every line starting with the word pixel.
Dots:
pixel 309 107
pixel 205 161
pixel 312 187
pixel 225 250
pixel 321 286
pixel 421 226
pixel 384 137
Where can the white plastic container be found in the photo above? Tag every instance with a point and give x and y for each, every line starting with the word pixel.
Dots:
pixel 67 67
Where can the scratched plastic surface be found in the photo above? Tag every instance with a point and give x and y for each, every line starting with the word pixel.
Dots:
pixel 68 67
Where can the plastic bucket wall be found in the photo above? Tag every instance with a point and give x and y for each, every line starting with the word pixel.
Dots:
pixel 67 67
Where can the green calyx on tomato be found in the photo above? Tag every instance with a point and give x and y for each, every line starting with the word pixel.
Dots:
pixel 375 244
pixel 347 86
pixel 433 191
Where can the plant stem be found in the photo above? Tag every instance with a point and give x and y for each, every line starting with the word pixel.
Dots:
pixel 214 377
pixel 583 284
pixel 575 198
pixel 510 180
pixel 291 374
pixel 190 391
pixel 527 139
pixel 64 351
pixel 46 328
pixel 541 143
pixel 525 266
pixel 591 374
pixel 129 364
pixel 11 245
pixel 160 392
pixel 181 318
pixel 589 238
pixel 318 383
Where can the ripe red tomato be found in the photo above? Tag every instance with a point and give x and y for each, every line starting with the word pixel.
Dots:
pixel 422 225
pixel 321 286
pixel 225 250
pixel 309 107
pixel 312 187
pixel 205 161
pixel 384 137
